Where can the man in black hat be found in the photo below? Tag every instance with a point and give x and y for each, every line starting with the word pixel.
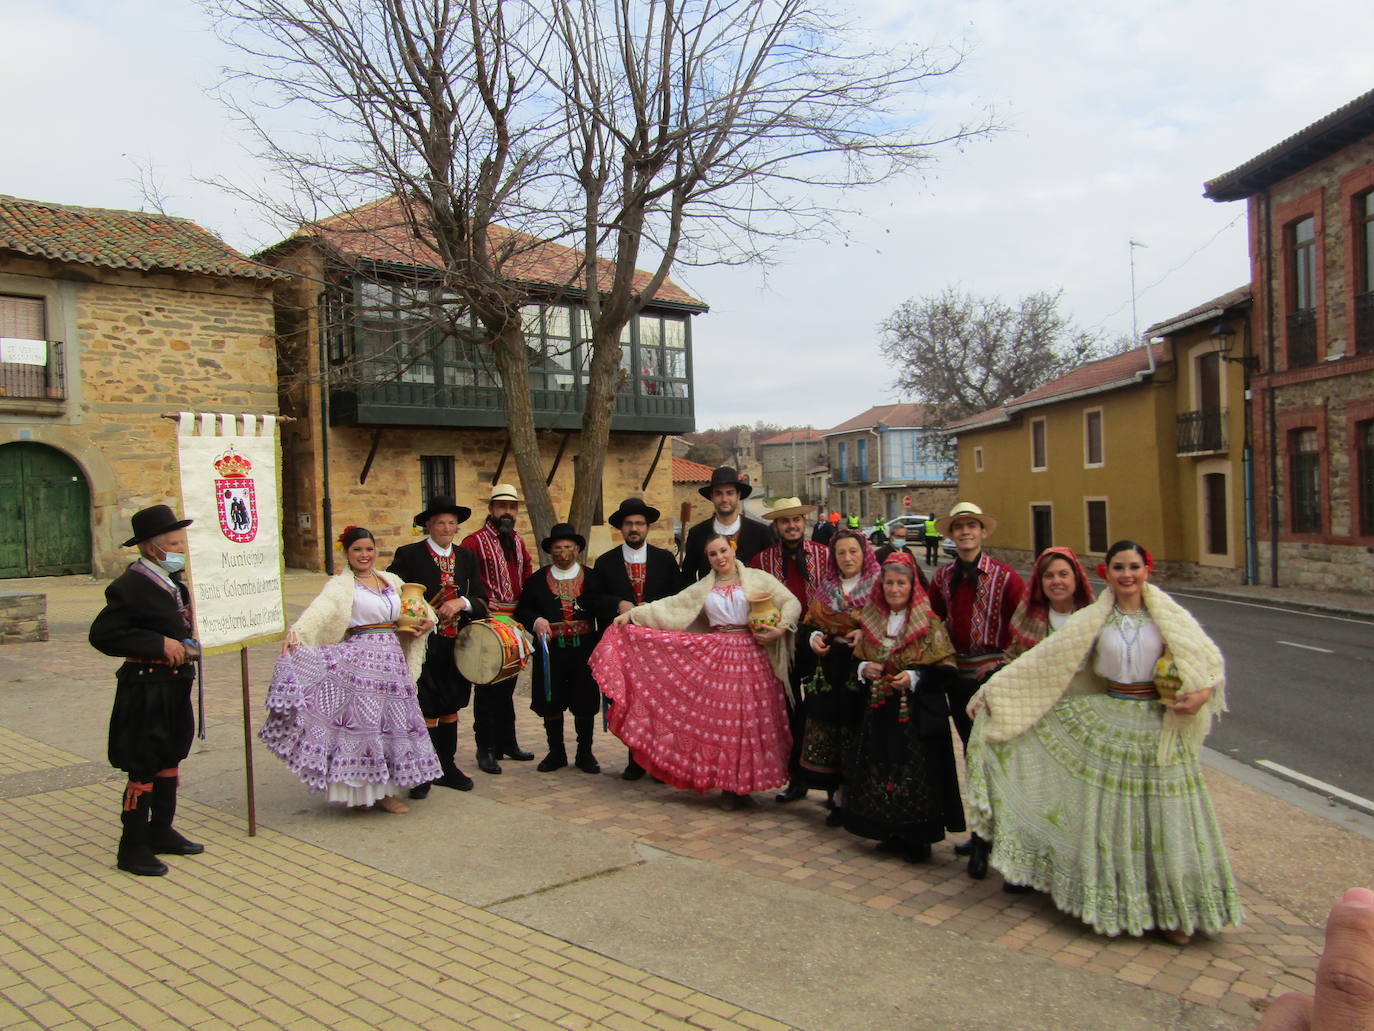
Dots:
pixel 632 574
pixel 147 621
pixel 747 536
pixel 558 605
pixel 453 586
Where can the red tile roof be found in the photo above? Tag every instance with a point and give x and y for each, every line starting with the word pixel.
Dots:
pixel 690 472
pixel 378 232
pixel 1118 370
pixel 1236 298
pixel 120 239
pixel 902 416
pixel 806 436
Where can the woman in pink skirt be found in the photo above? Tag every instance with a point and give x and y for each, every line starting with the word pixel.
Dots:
pixel 699 697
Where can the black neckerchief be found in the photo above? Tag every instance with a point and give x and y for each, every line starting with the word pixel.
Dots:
pixel 965 569
pixel 797 554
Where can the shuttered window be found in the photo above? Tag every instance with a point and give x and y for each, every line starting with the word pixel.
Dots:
pixel 22 317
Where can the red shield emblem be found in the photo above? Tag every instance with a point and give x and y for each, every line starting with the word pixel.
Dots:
pixel 238 508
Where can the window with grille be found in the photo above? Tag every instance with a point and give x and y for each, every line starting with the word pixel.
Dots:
pixel 436 477
pixel 1304 481
pixel 1365 462
pixel 1302 294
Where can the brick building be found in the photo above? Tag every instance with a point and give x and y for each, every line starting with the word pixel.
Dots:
pixel 1311 215
pixel 391 409
pixel 107 320
pixel 882 457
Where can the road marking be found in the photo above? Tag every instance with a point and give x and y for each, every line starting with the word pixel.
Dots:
pixel 1320 785
pixel 1271 608
pixel 1309 647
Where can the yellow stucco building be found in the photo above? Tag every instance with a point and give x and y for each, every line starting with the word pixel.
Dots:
pixel 1145 445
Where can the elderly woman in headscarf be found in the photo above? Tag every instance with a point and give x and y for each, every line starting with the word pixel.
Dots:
pixel 900 784
pixel 848 582
pixel 1092 789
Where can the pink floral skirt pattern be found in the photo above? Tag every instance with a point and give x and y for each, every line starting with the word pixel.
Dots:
pixel 346 714
pixel 699 711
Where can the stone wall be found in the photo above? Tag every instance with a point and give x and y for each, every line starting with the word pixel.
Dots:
pixel 138 345
pixel 23 617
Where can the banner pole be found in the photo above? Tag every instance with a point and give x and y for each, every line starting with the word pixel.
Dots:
pixel 248 745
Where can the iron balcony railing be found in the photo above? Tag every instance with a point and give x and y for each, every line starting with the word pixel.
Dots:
pixel 1202 431
pixel 1302 337
pixel 33 369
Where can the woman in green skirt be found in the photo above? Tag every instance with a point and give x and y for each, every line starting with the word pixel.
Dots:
pixel 1087 780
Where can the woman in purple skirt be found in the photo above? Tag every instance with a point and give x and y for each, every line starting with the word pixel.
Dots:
pixel 342 711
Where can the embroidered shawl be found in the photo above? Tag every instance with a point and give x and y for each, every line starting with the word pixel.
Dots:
pixel 1030 623
pixel 985 627
pixel 325 619
pixel 831 592
pixel 685 611
pixel 923 640
pixel 1022 692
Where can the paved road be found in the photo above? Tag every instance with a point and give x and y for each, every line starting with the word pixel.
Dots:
pixel 1301 691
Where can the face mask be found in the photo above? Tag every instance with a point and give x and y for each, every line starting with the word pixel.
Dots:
pixel 172 561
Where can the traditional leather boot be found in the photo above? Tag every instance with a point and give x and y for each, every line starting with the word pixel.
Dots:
pixel 978 860
pixel 162 838
pixel 445 738
pixel 134 855
pixel 584 760
pixel 633 771
pixel 558 752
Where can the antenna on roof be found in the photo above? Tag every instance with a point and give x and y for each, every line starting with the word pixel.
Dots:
pixel 1135 326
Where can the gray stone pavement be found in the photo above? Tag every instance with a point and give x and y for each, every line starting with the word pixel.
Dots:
pixel 567 900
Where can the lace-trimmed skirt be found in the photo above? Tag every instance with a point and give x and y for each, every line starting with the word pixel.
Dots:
pixel 1078 807
pixel 344 718
pixel 698 711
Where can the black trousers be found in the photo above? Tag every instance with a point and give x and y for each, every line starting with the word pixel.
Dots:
pixel 441 690
pixel 960 692
pixel 932 550
pixel 493 715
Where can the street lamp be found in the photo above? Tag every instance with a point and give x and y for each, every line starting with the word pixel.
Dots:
pixel 1225 337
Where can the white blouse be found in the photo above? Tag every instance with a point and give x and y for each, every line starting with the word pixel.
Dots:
pixel 1128 646
pixel 727 606
pixel 371 606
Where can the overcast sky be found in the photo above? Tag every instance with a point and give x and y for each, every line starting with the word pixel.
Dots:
pixel 1116 114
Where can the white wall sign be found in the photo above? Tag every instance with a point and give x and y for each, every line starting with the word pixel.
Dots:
pixel 17 351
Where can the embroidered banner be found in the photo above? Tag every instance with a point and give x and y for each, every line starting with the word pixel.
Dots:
pixel 230 486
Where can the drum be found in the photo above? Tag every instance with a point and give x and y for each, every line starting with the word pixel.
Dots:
pixel 488 650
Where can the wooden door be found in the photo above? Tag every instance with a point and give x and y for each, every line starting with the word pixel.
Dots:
pixel 46 524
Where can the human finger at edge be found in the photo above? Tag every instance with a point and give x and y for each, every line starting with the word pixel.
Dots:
pixel 1345 975
pixel 1291 1012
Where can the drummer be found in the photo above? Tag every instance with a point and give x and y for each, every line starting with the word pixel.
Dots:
pixel 504 563
pixel 455 590
pixel 557 607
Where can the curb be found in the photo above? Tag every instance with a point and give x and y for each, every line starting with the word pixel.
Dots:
pixel 1366 615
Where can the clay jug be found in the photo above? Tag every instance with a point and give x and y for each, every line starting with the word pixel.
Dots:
pixel 412 609
pixel 762 612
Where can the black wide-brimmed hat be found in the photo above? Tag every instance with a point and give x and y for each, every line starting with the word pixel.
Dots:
pixel 442 505
pixel 633 506
pixel 150 522
pixel 726 477
pixel 564 532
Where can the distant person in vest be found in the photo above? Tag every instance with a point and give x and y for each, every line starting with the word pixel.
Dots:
pixel 558 605
pixel 505 564
pixel 801 566
pixel 747 536
pixel 895 543
pixel 975 596
pixel 147 622
pixel 632 574
pixel 454 589
pixel 932 537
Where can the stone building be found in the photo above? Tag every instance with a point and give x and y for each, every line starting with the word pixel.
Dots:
pixel 108 319
pixel 786 460
pixel 887 462
pixel 688 479
pixel 391 409
pixel 1311 215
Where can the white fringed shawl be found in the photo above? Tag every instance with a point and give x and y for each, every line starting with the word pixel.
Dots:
pixel 325 619
pixel 686 610
pixel 1022 692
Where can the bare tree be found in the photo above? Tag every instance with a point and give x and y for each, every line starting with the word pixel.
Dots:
pixel 641 132
pixel 960 354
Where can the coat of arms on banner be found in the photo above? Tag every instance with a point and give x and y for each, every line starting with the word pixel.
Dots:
pixel 235 498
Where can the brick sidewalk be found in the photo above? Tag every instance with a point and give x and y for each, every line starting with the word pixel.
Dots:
pixel 272 932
